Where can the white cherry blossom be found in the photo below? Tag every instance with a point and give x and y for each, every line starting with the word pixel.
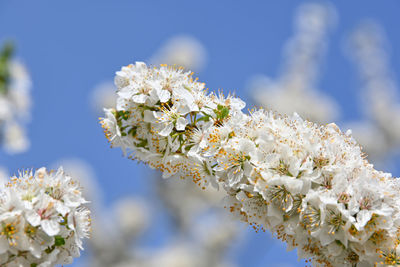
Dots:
pixel 310 185
pixel 42 219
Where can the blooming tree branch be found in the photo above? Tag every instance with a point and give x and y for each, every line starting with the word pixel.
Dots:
pixel 310 185
pixel 42 219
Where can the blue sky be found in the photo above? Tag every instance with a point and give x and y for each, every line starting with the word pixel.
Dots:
pixel 71 46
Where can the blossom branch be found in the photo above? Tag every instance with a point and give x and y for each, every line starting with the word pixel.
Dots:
pixel 310 185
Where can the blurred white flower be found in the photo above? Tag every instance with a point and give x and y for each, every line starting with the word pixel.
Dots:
pixel 103 96
pixel 185 254
pixel 132 216
pixel 289 98
pixel 370 137
pixel 182 50
pixel 381 102
pixel 4 176
pixel 215 235
pixel 283 264
pixel 178 255
pixel 197 201
pixel 15 139
pixel 20 86
pixel 15 102
pixel 105 246
pixel 294 90
pixel 113 231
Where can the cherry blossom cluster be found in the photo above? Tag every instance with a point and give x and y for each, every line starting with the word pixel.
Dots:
pixel 42 219
pixel 310 185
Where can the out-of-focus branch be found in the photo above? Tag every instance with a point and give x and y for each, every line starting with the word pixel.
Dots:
pixel 294 90
pixel 381 103
pixel 15 102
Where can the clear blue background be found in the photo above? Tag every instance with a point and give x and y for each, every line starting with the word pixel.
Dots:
pixel 71 46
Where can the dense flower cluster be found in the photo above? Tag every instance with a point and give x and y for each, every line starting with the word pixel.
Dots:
pixel 15 102
pixel 42 219
pixel 310 185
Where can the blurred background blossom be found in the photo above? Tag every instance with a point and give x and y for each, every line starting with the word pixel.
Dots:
pixel 326 61
pixel 15 105
pixel 379 129
pixel 15 101
pixel 202 233
pixel 295 88
pixel 181 50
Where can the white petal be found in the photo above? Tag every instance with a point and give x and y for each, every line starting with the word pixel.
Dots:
pixel 184 94
pixel 62 209
pixel 50 227
pixel 3 245
pixel 237 103
pixel 163 95
pixel 334 249
pixel 32 217
pixel 121 80
pixel 139 98
pixel 183 109
pixel 140 65
pixel 166 130
pixel 125 92
pixel 363 217
pixel 235 175
pixel 35 250
pixel 324 237
pixel 181 124
pixel 149 116
pixel 293 185
pixel 3 257
pixel 73 200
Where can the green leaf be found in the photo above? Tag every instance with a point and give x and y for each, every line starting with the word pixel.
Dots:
pixel 133 131
pixel 224 112
pixel 59 241
pixel 204 118
pixel 142 143
pixel 7 51
pixel 5 55
pixel 187 88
